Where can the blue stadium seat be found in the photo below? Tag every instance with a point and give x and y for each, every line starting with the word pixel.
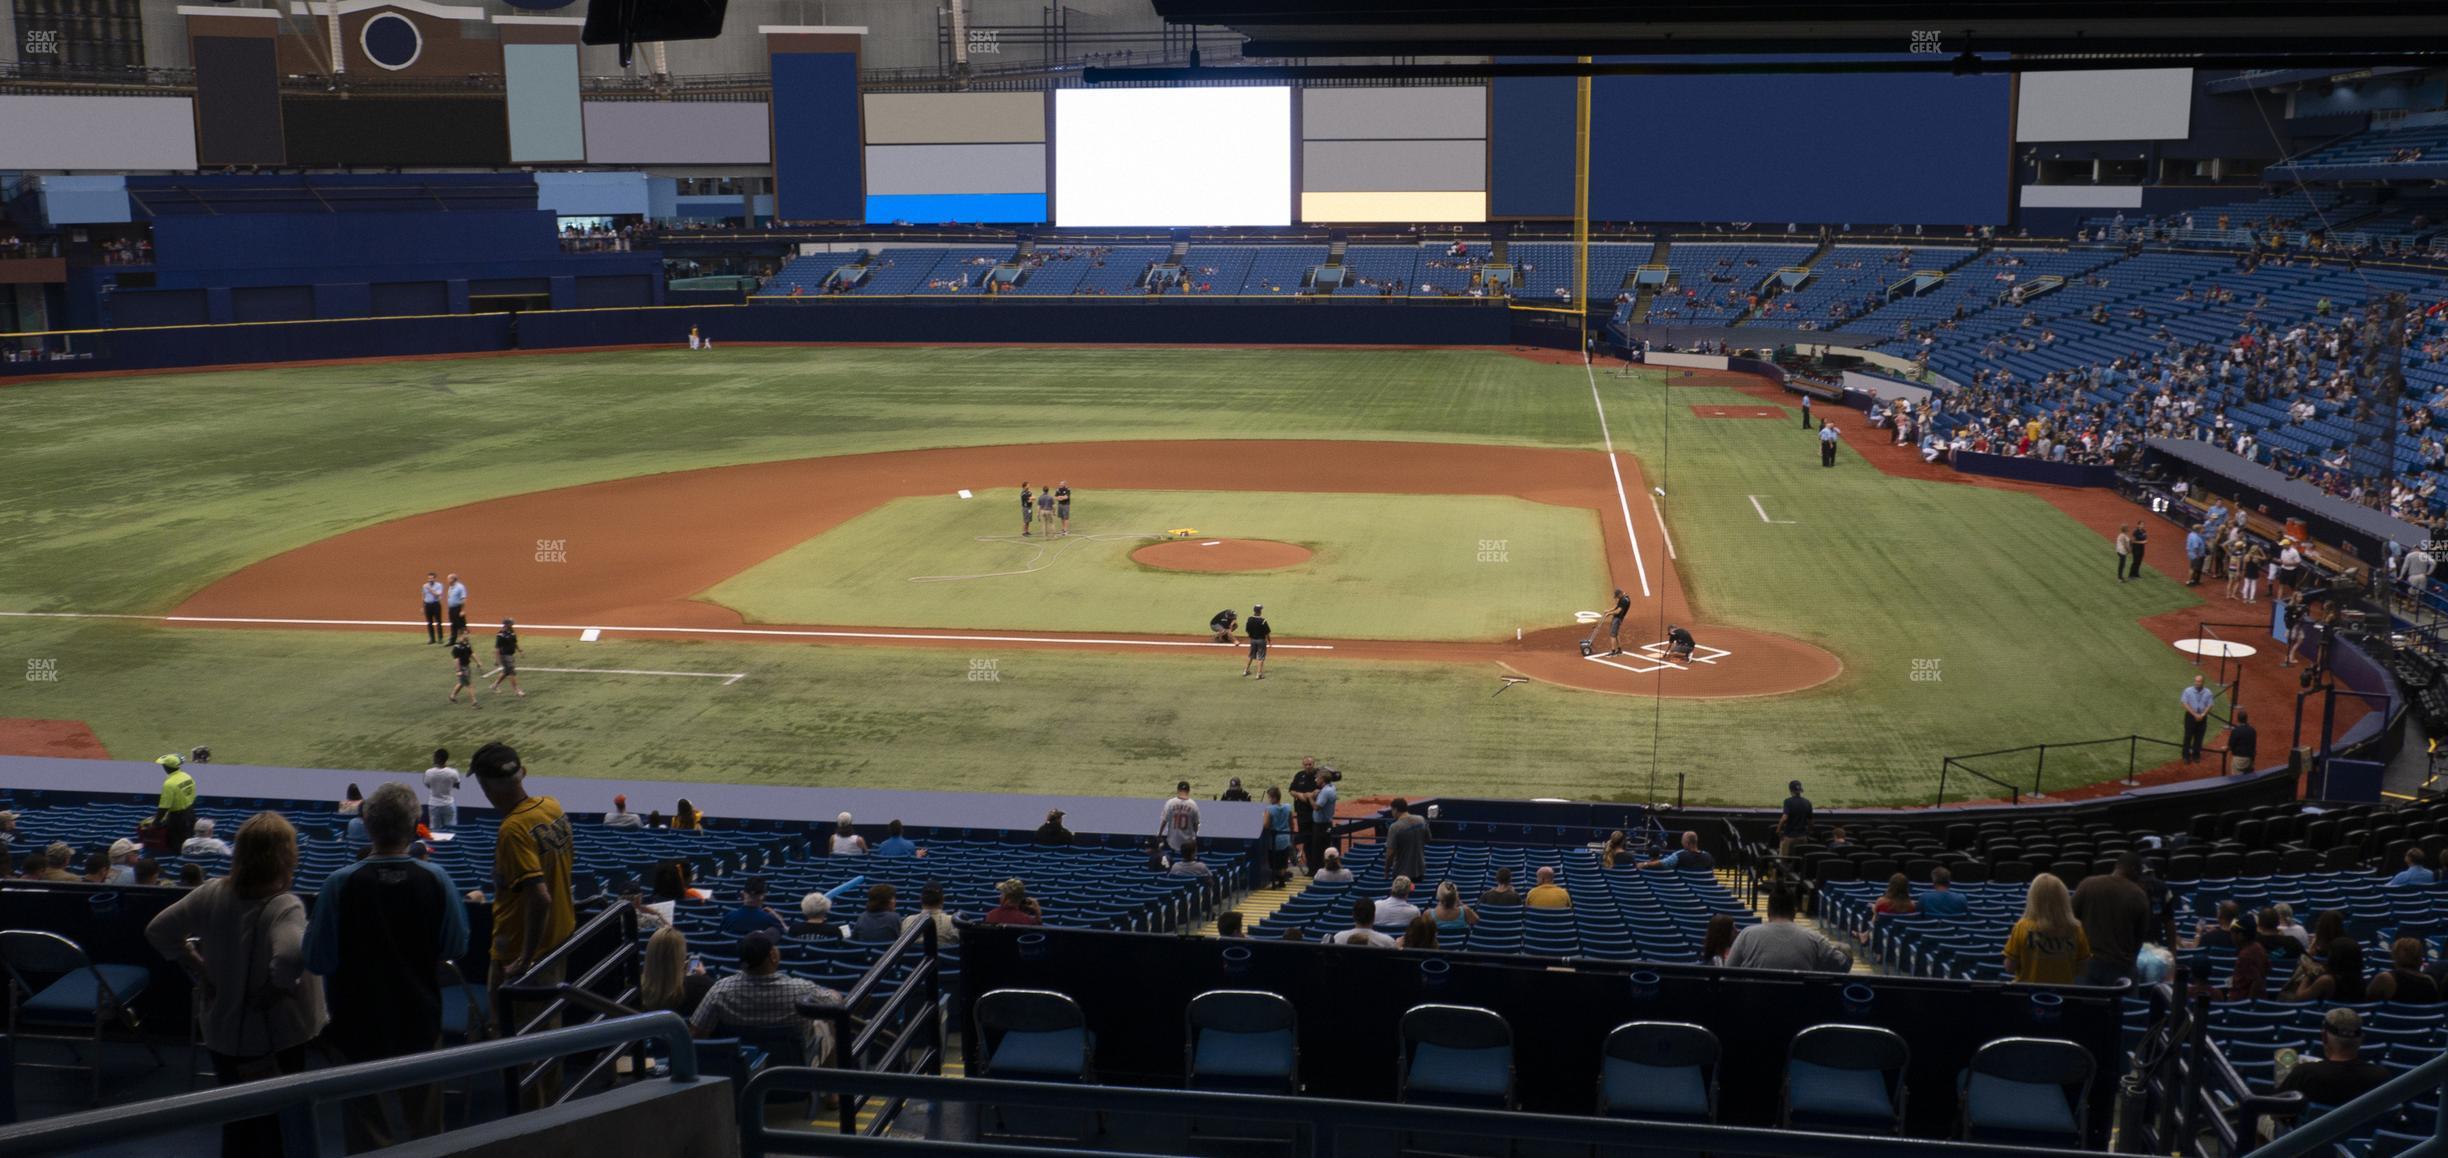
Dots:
pixel 1846 1078
pixel 2028 1091
pixel 1246 1040
pixel 1456 1055
pixel 1659 1070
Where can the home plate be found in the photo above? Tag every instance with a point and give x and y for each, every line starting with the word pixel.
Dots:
pixel 1656 666
pixel 1701 652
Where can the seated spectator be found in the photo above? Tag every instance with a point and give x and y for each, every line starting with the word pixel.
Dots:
pixel 1689 858
pixel 1838 839
pixel 1501 893
pixel 2220 931
pixel 649 918
pixel 8 829
pixel 895 844
pixel 2416 873
pixel 2335 975
pixel 204 843
pixel 620 816
pixel 1778 943
pixel 97 868
pixel 686 818
pixel 2048 946
pixel 1547 894
pixel 1294 933
pixel 1364 927
pixel 1234 793
pixel 1396 910
pixel 1895 902
pixel 845 840
pixel 1452 917
pixel 2404 981
pixel 674 882
pixel 1016 907
pixel 351 801
pixel 669 978
pixel 1421 933
pixel 761 996
pixel 2248 978
pixel 1187 863
pixel 931 908
pixel 1618 848
pixel 1941 899
pixel 148 871
pixel 1052 834
pixel 2288 925
pixel 2340 1075
pixel 881 921
pixel 190 875
pixel 1228 925
pixel 1333 873
pixel 1718 940
pixel 816 919
pixel 751 914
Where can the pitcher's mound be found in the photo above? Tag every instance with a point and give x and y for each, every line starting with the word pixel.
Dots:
pixel 70 738
pixel 1220 555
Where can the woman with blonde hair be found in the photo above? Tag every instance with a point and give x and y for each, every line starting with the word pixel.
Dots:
pixel 668 979
pixel 1618 848
pixel 243 939
pixel 2048 946
pixel 1452 917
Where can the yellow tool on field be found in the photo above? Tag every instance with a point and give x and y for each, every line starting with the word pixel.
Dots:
pixel 1182 532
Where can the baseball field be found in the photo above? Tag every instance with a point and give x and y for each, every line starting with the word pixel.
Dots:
pixel 759 565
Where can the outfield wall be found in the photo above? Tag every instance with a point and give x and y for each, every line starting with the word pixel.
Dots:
pixel 1172 323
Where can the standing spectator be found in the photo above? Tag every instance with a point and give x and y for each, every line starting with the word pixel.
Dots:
pixel 383 927
pixel 431 591
pixel 1303 794
pixel 1322 815
pixel 441 793
pixel 1941 899
pixel 1546 894
pixel 752 913
pixel 845 840
pixel 1363 929
pixel 1052 834
pixel 1806 410
pixel 1016 907
pixel 2124 549
pixel 1278 832
pixel 1794 822
pixel 881 921
pixel 242 939
pixel 2243 743
pixel 2340 1075
pixel 762 996
pixel 2197 701
pixel 2197 551
pixel 176 811
pixel 620 816
pixel 1406 839
pixel 2116 919
pixel 1178 821
pixel 1827 444
pixel 2048 945
pixel 896 845
pixel 2416 874
pixel 2141 547
pixel 532 909
pixel 1778 943
pixel 455 597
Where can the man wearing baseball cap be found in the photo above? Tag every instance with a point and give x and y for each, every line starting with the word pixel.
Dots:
pixel 176 811
pixel 532 909
pixel 2340 1075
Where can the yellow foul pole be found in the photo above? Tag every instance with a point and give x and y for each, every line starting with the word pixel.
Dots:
pixel 1581 181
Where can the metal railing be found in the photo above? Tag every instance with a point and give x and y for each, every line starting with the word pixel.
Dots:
pixel 1322 1120
pixel 913 1016
pixel 2039 753
pixel 309 1104
pixel 617 970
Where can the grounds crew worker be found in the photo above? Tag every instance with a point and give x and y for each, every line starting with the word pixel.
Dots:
pixel 176 812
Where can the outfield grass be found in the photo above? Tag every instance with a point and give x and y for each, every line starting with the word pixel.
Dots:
pixel 124 495
pixel 1382 566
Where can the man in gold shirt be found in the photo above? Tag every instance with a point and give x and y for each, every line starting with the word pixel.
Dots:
pixel 532 909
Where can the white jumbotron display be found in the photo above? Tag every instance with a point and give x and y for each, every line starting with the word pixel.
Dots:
pixel 1175 156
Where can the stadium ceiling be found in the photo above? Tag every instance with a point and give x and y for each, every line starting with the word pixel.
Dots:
pixel 2183 31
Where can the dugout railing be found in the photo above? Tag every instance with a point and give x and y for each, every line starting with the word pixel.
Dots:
pixel 2088 756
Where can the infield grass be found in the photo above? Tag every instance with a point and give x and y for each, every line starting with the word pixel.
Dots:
pixel 124 495
pixel 1444 567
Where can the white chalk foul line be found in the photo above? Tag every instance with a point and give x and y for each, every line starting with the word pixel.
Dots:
pixel 1763 511
pixel 727 677
pixel 751 631
pixel 1621 500
pixel 1663 533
